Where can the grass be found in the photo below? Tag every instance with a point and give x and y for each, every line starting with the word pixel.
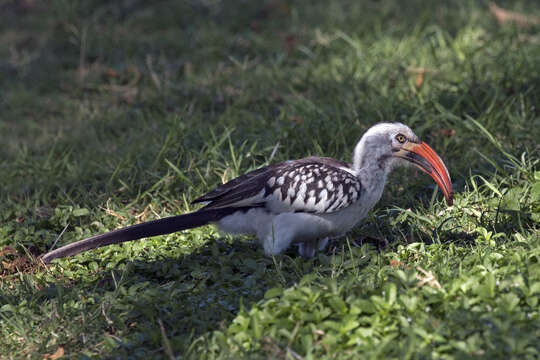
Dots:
pixel 118 113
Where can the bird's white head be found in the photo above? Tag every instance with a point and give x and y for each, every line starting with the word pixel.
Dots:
pixel 386 145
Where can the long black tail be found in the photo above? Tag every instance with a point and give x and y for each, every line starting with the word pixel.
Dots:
pixel 147 229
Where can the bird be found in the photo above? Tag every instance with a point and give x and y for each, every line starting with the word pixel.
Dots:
pixel 304 202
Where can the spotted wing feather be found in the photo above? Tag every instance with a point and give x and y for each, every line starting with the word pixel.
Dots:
pixel 315 185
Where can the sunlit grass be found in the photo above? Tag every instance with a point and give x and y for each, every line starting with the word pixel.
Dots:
pixel 116 114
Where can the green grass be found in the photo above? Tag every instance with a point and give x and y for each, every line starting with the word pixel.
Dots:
pixel 112 114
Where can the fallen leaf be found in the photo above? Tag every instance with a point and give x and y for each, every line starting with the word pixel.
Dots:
pixel 27 5
pixel 291 42
pixel 188 68
pixel 297 119
pixel 420 72
pixel 153 76
pixel 44 212
pixel 427 278
pixel 129 90
pixel 255 25
pixel 8 250
pixel 419 80
pixel 231 91
pixel 19 264
pixel 110 72
pixel 129 95
pixel 448 132
pixel 506 16
pixel 397 264
pixel 57 354
pixel 280 6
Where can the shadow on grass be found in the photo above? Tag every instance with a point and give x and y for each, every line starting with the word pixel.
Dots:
pixel 191 294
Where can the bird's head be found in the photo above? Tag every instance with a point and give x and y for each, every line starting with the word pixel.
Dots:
pixel 386 145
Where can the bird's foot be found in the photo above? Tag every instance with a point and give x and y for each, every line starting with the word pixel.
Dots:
pixel 379 243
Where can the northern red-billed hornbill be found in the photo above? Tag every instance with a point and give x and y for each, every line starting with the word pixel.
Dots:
pixel 298 201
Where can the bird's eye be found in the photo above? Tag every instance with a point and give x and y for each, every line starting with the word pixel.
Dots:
pixel 401 138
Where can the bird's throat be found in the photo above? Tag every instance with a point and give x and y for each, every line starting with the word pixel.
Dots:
pixel 373 178
pixel 372 167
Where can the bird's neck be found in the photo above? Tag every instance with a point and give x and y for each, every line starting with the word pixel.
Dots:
pixel 371 164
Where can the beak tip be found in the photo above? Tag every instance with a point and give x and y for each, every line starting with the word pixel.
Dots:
pixel 450 198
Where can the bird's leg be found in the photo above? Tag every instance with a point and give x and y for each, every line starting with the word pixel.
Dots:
pixel 306 249
pixel 323 244
pixel 275 246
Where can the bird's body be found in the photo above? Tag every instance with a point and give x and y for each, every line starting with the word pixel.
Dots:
pixel 301 201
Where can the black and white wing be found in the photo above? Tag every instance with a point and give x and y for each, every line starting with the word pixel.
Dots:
pixel 241 190
pixel 314 185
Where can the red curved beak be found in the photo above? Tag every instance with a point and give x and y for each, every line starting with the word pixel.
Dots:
pixel 427 160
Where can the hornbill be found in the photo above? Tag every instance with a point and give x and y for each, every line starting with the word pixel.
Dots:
pixel 300 202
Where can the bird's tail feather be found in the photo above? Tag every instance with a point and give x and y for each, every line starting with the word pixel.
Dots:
pixel 152 228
